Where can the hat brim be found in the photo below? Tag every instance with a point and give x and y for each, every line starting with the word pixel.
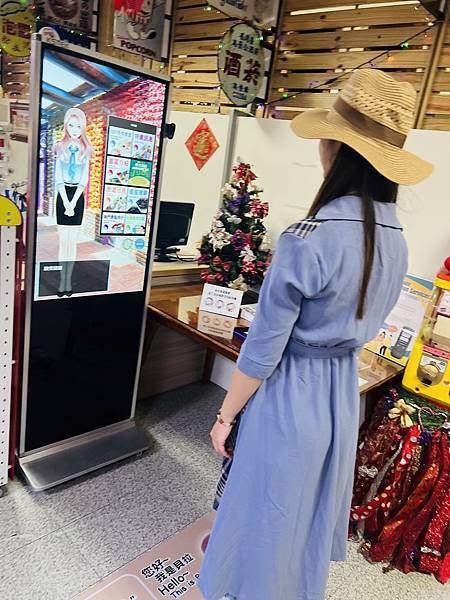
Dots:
pixel 396 164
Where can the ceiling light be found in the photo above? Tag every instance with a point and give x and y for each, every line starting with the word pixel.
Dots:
pixel 312 11
pixel 388 4
pixel 60 77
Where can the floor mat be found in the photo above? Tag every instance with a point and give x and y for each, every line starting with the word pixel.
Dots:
pixel 170 570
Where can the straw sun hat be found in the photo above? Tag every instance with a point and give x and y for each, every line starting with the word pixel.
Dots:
pixel 373 114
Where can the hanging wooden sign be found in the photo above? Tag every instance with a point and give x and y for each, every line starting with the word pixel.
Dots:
pixel 241 64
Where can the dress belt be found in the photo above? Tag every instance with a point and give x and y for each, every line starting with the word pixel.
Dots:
pixel 299 347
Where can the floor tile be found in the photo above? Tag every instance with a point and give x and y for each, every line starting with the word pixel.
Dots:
pixel 110 538
pixel 22 520
pixel 48 569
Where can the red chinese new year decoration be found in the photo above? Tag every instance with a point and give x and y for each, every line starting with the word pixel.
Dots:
pixel 202 144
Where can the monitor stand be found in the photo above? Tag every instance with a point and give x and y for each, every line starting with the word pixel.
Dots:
pixel 164 254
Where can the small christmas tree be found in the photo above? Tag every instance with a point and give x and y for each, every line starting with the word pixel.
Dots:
pixel 236 249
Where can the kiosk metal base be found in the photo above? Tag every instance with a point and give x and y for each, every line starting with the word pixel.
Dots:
pixel 44 470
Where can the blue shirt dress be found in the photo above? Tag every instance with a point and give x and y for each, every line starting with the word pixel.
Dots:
pixel 285 509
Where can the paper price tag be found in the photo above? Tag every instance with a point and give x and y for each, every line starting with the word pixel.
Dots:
pixel 221 300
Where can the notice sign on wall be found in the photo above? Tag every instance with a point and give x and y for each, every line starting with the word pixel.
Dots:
pixel 127 177
pixel 241 64
pixel 170 570
pixel 396 338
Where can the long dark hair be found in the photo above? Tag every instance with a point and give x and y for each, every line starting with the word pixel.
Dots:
pixel 353 174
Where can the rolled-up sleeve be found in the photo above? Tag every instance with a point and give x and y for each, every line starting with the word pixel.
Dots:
pixel 293 275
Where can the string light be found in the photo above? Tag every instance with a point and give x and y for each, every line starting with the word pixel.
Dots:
pixel 387 53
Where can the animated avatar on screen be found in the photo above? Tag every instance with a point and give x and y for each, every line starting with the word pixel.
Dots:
pixel 72 157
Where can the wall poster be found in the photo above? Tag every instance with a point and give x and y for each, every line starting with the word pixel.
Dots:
pixel 143 27
pixel 17 23
pixel 80 15
pixel 202 144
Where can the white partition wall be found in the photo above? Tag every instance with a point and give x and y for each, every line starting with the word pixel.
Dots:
pixel 424 210
pixel 288 168
pixel 290 173
pixel 183 182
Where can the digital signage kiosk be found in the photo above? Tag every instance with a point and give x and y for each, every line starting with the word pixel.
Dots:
pixel 95 161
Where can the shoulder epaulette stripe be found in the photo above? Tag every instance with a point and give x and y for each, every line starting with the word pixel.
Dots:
pixel 304 228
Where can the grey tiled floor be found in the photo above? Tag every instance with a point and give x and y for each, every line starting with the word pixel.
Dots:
pixel 55 544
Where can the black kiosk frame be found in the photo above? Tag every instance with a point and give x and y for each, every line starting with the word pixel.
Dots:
pixel 83 345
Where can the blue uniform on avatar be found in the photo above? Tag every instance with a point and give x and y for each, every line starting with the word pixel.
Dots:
pixel 285 510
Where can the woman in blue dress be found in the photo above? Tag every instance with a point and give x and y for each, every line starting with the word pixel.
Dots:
pixel 284 512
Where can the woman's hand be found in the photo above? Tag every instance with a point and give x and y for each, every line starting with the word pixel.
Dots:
pixel 219 435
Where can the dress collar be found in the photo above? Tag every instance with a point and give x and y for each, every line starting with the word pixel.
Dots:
pixel 349 208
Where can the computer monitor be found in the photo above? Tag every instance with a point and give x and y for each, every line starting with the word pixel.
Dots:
pixel 174 225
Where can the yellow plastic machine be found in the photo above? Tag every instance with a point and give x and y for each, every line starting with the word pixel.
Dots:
pixel 428 371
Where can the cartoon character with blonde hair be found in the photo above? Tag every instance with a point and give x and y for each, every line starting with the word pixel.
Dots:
pixel 72 157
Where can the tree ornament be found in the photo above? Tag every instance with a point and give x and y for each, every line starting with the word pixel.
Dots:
pixel 236 251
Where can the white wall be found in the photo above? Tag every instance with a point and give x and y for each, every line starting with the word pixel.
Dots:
pixel 290 173
pixel 288 168
pixel 183 182
pixel 424 209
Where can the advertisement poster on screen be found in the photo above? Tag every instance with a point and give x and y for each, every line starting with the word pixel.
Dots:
pixel 262 13
pixel 79 15
pixel 99 159
pixel 241 64
pixel 396 338
pixel 142 27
